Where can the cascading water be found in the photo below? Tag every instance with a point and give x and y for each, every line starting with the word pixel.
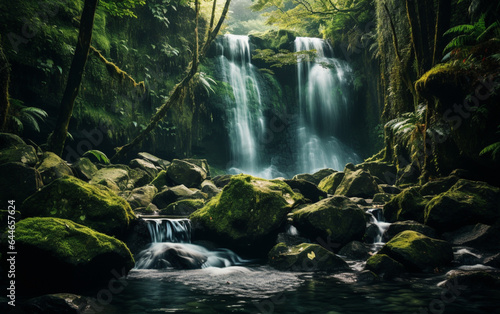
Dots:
pixel 246 118
pixel 323 99
pixel 171 248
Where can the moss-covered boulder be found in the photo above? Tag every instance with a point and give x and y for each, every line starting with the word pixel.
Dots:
pixel 407 205
pixel 9 139
pixel 52 167
pixel 183 207
pixel 355 250
pixel 382 198
pixel 321 174
pixel 142 196
pixel 73 199
pixel 186 173
pixel 305 257
pixel 202 163
pixel 22 153
pixel 385 172
pixel 222 180
pixel 246 215
pixel 400 226
pixel 60 255
pixel 307 189
pixel 84 169
pixel 112 177
pixel 438 186
pixel 358 183
pixel 160 180
pixel 479 236
pixel 169 195
pixel 408 175
pixel 305 176
pixel 467 202
pixel 330 183
pixel 18 181
pixel 336 218
pixel 384 266
pixel 418 252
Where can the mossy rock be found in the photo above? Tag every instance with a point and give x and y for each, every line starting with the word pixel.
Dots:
pixel 407 205
pixel 246 215
pixel 384 266
pixel 186 173
pixel 400 226
pixel 466 203
pixel 84 168
pixel 358 183
pixel 25 154
pixel 117 175
pixel 355 250
pixel 384 171
pixel 169 195
pixel 305 257
pixel 438 186
pixel 382 198
pixel 142 196
pixel 307 189
pixel 67 256
pixel 336 218
pixel 53 167
pixel 321 174
pixel 183 207
pixel 418 252
pixel 330 183
pixel 73 199
pixel 19 182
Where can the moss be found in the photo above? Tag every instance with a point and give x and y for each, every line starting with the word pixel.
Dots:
pixel 160 180
pixel 330 183
pixel 385 266
pixel 76 200
pixel 407 205
pixel 183 207
pixel 68 241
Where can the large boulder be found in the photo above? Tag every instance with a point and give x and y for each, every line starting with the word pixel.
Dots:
pixel 186 173
pixel 330 183
pixel 321 174
pixel 305 176
pixel 336 218
pixel 73 199
pixel 169 195
pixel 22 153
pixel 478 236
pixel 84 168
pixel 210 188
pixel 408 175
pixel 384 266
pixel 52 167
pixel 246 215
pixel 467 202
pixel 307 189
pixel 358 183
pixel 183 207
pixel 305 257
pixel 202 163
pixel 418 252
pixel 145 165
pixel 68 256
pixel 112 177
pixel 142 196
pixel 355 250
pixel 385 172
pixel 438 186
pixel 401 226
pixel 20 181
pixel 407 205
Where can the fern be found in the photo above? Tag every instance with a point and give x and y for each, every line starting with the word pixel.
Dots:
pixel 470 34
pixel 23 115
pixel 98 154
pixel 493 149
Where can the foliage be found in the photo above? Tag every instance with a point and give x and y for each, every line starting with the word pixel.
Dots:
pixel 471 34
pixel 205 81
pixel 98 154
pixel 160 8
pixel 493 148
pixel 23 115
pixel 121 8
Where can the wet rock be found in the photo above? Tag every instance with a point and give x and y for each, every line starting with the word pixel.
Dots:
pixel 25 154
pixel 64 303
pixel 479 236
pixel 170 255
pixel 163 164
pixel 183 207
pixel 142 196
pixel 222 181
pixel 209 188
pixel 408 175
pixel 22 182
pixel 188 174
pixel 147 166
pixel 291 240
pixel 246 215
pixel 169 195
pixel 319 175
pixel 355 250
pixel 467 202
pixel 401 226
pixel 472 280
pixel 330 183
pixel 391 189
pixel 307 189
pixel 84 169
pixel 52 167
pixel 466 257
pixel 335 218
pixel 305 257
pixel 367 277
pixel 438 186
pixel 115 174
pixel 202 163
pixel 384 266
pixel 161 180
pixel 73 199
pixel 358 183
pixel 361 201
pixel 418 252
pixel 382 198
pixel 408 205
pixel 384 171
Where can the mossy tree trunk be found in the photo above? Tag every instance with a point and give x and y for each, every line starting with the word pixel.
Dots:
pixel 4 89
pixel 58 137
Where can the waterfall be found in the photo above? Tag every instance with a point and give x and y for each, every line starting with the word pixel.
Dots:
pixel 171 248
pixel 245 109
pixel 380 226
pixel 323 96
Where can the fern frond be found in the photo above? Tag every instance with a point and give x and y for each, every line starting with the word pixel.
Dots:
pixel 459 42
pixel 491 29
pixel 19 123
pixel 460 29
pixel 98 154
pixel 39 113
pixel 30 120
pixel 493 149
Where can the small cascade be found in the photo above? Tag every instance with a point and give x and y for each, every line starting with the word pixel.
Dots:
pixel 377 220
pixel 171 248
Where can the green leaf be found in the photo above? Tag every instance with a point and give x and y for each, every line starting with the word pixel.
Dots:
pixel 98 154
pixel 493 149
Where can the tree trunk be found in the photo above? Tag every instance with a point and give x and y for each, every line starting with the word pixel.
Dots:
pixel 443 21
pixel 4 89
pixel 58 137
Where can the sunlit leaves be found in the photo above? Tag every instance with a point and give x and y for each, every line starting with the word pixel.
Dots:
pixel 121 8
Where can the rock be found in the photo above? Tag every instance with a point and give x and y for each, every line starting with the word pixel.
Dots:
pixel 188 174
pixel 321 174
pixel 163 164
pixel 305 176
pixel 290 239
pixel 335 218
pixel 493 261
pixel 144 165
pixel 391 189
pixel 53 167
pixel 166 255
pixel 408 175
pixel 307 189
pixel 470 281
pixel 305 257
pixel 80 256
pixel 22 182
pixel 371 234
pixel 355 250
pixel 139 237
pixel 360 201
pixel 358 183
pixel 382 198
pixel 169 195
pixel 479 236
pixel 418 252
pixel 246 215
pixel 202 163
pixel 467 202
pixel 8 140
pixel 64 303
pixel 160 180
pixel 222 181
pixel 209 188
pixel 330 183
pixel 408 205
pixel 84 168
pixel 463 174
pixel 142 197
pixel 384 266
pixel 465 257
pixel 183 207
pixel 25 154
pixel 117 175
pixel 138 178
pixel 367 277
pixel 384 171
pixel 438 186
pixel 73 199
pixel 401 226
